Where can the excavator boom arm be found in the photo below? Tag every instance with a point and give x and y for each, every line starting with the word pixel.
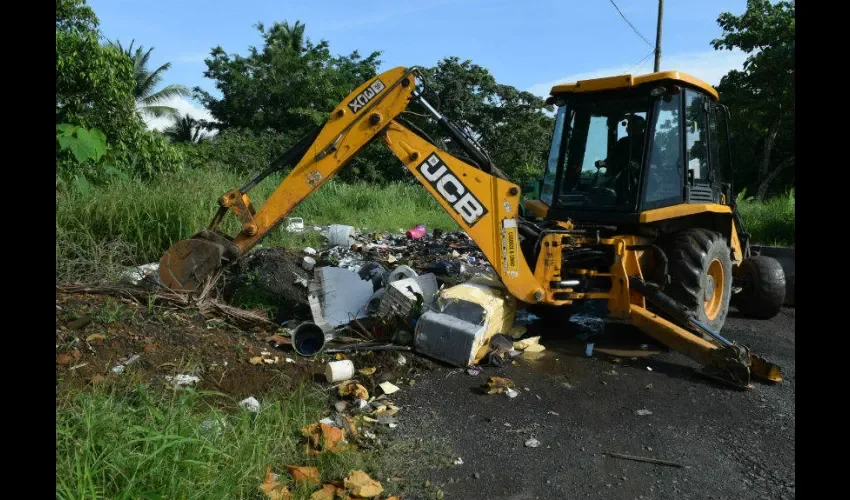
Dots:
pixel 486 206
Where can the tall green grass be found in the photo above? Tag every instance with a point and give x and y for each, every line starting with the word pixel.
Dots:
pixel 137 442
pixel 770 222
pixel 130 222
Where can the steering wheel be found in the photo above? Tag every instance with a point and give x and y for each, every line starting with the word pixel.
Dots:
pixel 600 192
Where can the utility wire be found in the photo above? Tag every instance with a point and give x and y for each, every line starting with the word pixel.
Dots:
pixel 632 26
pixel 642 60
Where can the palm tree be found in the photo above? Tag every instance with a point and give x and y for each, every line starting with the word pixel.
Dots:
pixel 293 35
pixel 148 99
pixel 185 129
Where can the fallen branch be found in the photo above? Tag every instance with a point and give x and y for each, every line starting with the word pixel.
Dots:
pixel 205 305
pixel 645 459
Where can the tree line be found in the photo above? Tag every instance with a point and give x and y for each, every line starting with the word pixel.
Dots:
pixel 272 95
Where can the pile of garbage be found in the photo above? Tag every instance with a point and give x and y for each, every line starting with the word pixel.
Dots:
pixel 433 293
pixel 429 292
pixel 449 255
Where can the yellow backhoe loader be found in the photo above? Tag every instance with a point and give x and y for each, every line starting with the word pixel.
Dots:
pixel 636 208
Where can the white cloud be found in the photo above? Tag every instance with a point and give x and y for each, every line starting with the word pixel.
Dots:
pixel 709 66
pixel 184 107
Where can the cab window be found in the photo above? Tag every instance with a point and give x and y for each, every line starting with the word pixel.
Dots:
pixel 665 173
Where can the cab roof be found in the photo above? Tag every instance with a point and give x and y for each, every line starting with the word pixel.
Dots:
pixel 629 81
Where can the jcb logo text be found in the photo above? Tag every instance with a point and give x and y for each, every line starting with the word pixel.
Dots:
pixel 437 173
pixel 364 97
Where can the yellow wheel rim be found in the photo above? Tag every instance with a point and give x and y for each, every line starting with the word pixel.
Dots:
pixel 714 289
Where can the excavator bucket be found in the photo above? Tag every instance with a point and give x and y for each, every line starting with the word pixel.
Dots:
pixel 764 369
pixel 731 364
pixel 188 263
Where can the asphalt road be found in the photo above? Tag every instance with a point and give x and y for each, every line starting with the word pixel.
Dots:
pixel 730 443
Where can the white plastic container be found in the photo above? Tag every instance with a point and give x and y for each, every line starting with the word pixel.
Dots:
pixel 295 224
pixel 307 263
pixel 337 371
pixel 399 273
pixel 340 235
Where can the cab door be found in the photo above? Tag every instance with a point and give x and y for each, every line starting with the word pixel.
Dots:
pixel 703 182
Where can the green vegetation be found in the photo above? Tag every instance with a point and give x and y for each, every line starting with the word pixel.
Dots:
pixel 134 222
pixel 760 97
pixel 148 99
pixel 770 222
pixel 282 91
pixel 185 129
pixel 139 442
pixel 95 90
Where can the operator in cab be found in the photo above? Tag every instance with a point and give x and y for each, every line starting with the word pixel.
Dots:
pixel 622 168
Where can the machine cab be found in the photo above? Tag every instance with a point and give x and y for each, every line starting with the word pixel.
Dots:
pixel 624 145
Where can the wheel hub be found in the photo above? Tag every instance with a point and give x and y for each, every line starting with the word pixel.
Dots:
pixel 714 284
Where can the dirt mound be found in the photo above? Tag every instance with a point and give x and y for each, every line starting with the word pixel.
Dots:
pixel 272 279
pixel 95 334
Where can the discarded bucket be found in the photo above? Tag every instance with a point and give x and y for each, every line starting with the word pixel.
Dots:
pixel 340 235
pixel 308 339
pixel 337 371
pixel 307 263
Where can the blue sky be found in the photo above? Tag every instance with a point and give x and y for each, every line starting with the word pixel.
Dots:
pixel 530 44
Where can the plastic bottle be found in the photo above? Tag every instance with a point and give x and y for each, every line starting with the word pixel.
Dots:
pixel 417 232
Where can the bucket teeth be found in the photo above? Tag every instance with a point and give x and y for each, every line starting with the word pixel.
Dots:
pixel 764 369
pixel 730 365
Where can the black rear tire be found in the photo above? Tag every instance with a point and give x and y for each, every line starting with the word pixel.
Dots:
pixel 700 267
pixel 763 287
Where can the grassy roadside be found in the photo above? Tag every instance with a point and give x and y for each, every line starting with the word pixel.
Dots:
pixel 771 222
pixel 134 223
pixel 131 222
pixel 131 435
pixel 137 442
